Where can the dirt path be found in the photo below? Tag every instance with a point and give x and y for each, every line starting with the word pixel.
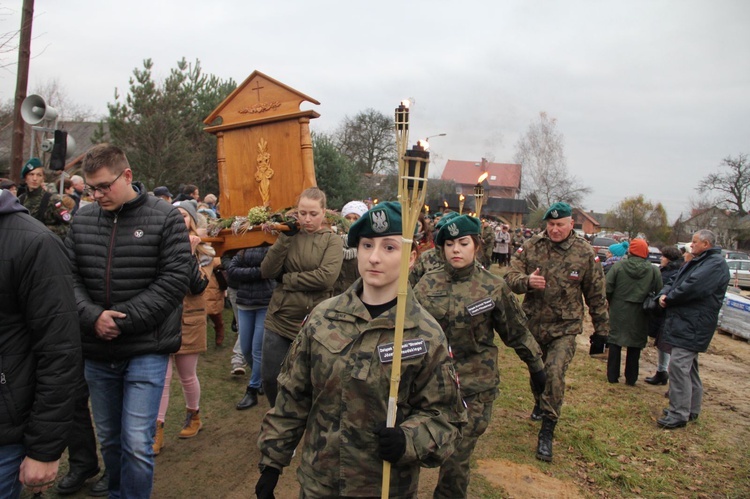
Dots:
pixel 222 461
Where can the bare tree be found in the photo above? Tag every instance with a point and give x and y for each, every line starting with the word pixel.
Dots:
pixel 636 216
pixel 733 185
pixel 541 152
pixel 55 93
pixel 368 140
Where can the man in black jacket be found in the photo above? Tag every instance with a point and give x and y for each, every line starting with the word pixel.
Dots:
pixel 692 300
pixel 130 255
pixel 40 350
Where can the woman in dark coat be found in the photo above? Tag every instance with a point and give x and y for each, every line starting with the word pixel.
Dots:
pixel 671 261
pixel 628 283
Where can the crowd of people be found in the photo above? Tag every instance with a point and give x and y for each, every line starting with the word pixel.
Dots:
pixel 316 317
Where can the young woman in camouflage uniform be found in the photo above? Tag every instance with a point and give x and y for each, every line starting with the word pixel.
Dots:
pixel 470 304
pixel 334 384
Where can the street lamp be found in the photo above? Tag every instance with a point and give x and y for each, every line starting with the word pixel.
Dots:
pixel 437 135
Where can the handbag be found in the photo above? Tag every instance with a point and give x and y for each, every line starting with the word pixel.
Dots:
pixel 221 278
pixel 651 304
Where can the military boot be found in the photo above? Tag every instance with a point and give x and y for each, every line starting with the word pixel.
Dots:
pixel 192 424
pixel 544 447
pixel 159 438
pixel 536 414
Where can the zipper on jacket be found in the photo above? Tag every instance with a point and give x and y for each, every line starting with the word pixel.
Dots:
pixel 108 303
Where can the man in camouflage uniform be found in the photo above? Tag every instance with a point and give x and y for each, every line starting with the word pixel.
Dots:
pixel 335 381
pixel 488 243
pixel 46 207
pixel 471 305
pixel 557 270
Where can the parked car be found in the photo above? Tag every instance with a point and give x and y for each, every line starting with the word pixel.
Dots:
pixel 734 255
pixel 654 255
pixel 739 273
pixel 601 244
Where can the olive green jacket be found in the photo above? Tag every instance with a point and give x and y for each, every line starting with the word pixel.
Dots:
pixel 306 266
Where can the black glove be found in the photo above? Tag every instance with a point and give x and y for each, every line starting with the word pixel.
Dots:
pixel 598 342
pixel 293 228
pixel 538 381
pixel 392 442
pixel 269 477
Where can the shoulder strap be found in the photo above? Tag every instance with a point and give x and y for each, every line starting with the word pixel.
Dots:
pixel 43 206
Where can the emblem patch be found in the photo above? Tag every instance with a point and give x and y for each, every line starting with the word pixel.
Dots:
pixel 574 276
pixel 409 350
pixel 66 216
pixel 453 230
pixel 379 221
pixel 480 307
pixel 554 213
pixel 138 233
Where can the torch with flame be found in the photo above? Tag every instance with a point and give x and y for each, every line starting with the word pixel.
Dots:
pixel 461 199
pixel 402 133
pixel 479 193
pixel 412 189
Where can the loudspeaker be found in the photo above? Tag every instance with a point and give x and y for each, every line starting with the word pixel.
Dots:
pixel 34 110
pixel 59 151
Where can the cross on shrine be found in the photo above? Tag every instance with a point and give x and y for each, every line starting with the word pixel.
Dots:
pixel 257 88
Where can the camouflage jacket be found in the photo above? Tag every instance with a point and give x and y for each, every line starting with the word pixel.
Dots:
pixel 573 273
pixel 334 388
pixel 56 216
pixel 429 260
pixel 469 304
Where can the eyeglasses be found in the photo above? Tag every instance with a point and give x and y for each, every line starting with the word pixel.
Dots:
pixel 104 188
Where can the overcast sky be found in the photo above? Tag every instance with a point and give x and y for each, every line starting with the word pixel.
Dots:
pixel 650 95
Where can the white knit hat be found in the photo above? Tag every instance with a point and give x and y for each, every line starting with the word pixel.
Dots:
pixel 356 207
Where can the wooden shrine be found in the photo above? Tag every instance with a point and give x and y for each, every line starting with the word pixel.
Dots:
pixel 264 152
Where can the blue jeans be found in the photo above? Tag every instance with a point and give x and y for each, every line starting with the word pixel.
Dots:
pixel 125 398
pixel 11 457
pixel 250 324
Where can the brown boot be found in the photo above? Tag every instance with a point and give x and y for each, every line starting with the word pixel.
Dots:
pixel 192 424
pixel 159 438
pixel 218 328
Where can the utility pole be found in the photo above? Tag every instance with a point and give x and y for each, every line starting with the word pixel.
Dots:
pixel 22 81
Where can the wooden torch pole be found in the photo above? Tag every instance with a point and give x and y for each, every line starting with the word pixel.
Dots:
pixel 412 189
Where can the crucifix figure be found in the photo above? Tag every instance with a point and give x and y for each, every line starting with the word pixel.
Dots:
pixel 257 88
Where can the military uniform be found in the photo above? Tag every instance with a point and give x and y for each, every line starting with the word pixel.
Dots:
pixel 428 261
pixel 334 387
pixel 573 273
pixel 488 243
pixel 470 304
pixel 56 215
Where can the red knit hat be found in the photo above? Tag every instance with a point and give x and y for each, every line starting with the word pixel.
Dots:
pixel 638 247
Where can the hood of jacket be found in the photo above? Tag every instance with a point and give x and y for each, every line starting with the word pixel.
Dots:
pixel 10 204
pixel 636 267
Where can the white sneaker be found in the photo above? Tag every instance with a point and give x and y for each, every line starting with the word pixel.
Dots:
pixel 238 371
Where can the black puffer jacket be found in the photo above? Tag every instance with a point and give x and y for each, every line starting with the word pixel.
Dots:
pixel 40 348
pixel 694 299
pixel 135 260
pixel 253 290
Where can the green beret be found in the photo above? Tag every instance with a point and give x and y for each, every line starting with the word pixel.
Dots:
pixel 383 219
pixel 31 164
pixel 446 218
pixel 459 226
pixel 558 210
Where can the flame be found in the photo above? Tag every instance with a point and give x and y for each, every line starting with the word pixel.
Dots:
pixel 445 203
pixel 424 144
pixel 461 197
pixel 375 201
pixel 483 177
pixel 405 103
pixel 426 208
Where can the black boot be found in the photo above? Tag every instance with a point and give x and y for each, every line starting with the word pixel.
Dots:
pixel 249 400
pixel 536 414
pixel 660 378
pixel 544 447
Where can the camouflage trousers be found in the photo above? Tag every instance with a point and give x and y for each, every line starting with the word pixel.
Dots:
pixel 557 355
pixel 454 473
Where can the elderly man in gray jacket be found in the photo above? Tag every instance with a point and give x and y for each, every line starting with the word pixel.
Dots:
pixel 692 302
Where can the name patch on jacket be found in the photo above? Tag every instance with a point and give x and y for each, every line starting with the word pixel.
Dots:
pixel 409 350
pixel 574 275
pixel 480 307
